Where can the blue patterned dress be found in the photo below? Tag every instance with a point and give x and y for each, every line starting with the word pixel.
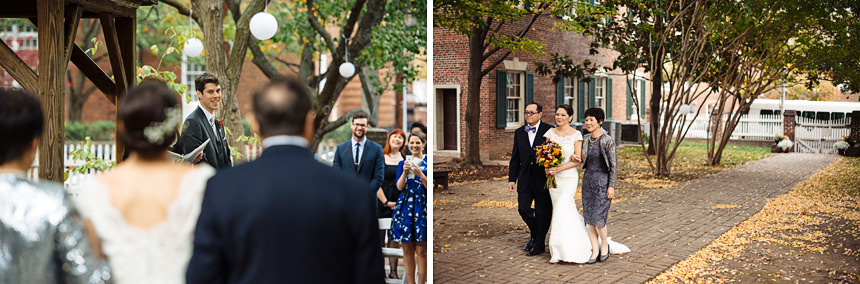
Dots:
pixel 409 221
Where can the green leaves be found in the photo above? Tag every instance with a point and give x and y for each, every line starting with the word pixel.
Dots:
pixel 90 160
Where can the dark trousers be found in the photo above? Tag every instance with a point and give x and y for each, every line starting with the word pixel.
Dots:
pixel 536 219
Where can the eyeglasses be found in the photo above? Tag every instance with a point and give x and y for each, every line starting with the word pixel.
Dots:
pixel 360 125
pixel 528 113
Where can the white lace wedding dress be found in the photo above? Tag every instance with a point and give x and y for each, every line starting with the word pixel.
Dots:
pixel 568 239
pixel 159 254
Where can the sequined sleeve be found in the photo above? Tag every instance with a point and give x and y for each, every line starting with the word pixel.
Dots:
pixel 74 255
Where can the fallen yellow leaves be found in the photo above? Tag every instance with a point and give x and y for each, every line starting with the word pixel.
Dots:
pixel 724 206
pixel 786 220
pixel 493 203
pixel 441 201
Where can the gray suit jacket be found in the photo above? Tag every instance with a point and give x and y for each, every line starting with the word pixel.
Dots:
pixel 610 154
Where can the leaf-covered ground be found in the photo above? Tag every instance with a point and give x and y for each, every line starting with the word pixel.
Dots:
pixel 809 235
pixel 478 204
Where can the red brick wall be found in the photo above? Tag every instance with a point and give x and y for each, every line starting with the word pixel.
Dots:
pixel 450 64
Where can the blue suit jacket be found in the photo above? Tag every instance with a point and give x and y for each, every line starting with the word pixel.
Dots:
pixel 285 218
pixel 371 167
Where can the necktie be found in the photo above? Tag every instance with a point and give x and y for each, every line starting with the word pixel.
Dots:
pixel 531 128
pixel 212 123
pixel 356 157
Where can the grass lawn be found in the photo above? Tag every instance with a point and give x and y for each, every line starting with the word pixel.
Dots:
pixel 689 163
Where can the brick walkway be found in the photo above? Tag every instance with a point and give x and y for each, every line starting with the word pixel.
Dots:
pixel 661 228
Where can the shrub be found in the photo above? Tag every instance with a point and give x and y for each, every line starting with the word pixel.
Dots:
pixel 99 131
pixel 841 145
pixel 785 144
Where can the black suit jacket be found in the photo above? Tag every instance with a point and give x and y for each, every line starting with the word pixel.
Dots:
pixel 285 218
pixel 371 168
pixel 196 130
pixel 523 166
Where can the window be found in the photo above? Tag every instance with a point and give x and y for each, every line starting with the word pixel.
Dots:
pixel 515 94
pixel 570 93
pixel 190 71
pixel 600 92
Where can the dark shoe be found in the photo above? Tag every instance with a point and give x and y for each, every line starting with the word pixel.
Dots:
pixel 603 258
pixel 535 251
pixel 530 244
pixel 591 261
pixel 393 275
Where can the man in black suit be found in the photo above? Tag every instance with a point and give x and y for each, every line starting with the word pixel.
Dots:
pixel 202 124
pixel 529 179
pixel 284 217
pixel 361 157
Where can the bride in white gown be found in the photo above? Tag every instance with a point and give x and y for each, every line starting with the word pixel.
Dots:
pixel 568 239
pixel 144 211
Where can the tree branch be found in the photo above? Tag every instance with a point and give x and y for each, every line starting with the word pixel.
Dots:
pixel 180 8
pixel 315 23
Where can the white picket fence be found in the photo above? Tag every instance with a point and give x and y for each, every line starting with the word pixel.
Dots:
pixel 818 136
pixel 107 151
pixel 750 127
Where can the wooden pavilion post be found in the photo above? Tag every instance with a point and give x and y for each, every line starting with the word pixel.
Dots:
pixel 52 72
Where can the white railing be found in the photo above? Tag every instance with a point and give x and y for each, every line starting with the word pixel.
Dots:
pixel 750 127
pixel 818 136
pixel 107 151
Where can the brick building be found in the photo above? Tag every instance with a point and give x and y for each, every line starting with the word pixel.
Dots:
pixel 608 90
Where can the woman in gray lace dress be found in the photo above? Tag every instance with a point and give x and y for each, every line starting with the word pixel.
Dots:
pixel 598 183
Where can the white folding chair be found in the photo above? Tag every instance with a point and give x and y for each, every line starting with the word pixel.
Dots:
pixel 385 224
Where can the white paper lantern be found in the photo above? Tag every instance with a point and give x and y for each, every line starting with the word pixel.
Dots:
pixel 193 47
pixel 685 109
pixel 347 69
pixel 263 25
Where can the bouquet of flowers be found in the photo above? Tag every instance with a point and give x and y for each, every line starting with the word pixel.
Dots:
pixel 549 155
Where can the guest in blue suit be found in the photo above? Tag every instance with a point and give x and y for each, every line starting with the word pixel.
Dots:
pixel 361 157
pixel 284 217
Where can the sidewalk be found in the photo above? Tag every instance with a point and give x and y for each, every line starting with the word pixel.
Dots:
pixel 661 228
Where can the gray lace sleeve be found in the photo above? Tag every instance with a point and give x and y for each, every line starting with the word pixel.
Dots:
pixel 612 157
pixel 74 255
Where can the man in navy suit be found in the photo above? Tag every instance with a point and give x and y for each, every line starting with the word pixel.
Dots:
pixel 284 217
pixel 529 179
pixel 361 157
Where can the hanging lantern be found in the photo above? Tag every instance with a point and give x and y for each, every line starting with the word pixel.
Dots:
pixel 263 26
pixel 347 69
pixel 193 47
pixel 685 109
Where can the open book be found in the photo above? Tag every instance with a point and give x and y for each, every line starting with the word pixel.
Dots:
pixel 188 158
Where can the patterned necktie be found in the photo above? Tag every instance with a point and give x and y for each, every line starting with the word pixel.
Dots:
pixel 356 157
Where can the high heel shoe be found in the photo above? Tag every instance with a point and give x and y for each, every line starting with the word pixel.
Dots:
pixel 591 261
pixel 603 258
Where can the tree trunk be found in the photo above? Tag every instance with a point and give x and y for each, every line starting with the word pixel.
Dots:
pixel 227 69
pixel 473 107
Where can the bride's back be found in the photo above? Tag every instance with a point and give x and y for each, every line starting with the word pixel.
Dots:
pixel 144 211
pixel 143 194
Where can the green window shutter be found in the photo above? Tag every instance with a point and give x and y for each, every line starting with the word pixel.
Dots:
pixel 608 94
pixel 642 99
pixel 559 92
pixel 591 102
pixel 527 5
pixel 580 101
pixel 501 98
pixel 530 87
pixel 629 98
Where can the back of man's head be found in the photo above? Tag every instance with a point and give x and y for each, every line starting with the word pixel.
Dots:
pixel 21 122
pixel 281 107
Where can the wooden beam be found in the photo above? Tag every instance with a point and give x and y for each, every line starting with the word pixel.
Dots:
pixel 52 73
pixel 73 18
pixel 127 36
pixel 93 72
pixel 108 6
pixel 18 69
pixel 114 52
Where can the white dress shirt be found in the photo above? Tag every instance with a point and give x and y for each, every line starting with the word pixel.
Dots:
pixel 533 134
pixel 279 140
pixel 360 148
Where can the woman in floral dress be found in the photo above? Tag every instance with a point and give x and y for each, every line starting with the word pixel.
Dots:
pixel 409 221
